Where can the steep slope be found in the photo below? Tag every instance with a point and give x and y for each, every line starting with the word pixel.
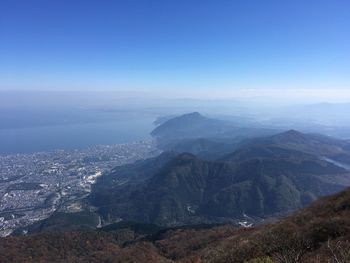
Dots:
pixel 261 182
pixel 205 148
pixel 138 171
pixel 318 233
pixel 63 222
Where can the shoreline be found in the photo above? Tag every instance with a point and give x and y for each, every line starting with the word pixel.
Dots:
pixel 58 150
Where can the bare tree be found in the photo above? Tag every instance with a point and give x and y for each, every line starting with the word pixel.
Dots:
pixel 286 245
pixel 340 251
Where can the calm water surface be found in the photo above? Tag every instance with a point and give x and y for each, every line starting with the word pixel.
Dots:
pixel 74 136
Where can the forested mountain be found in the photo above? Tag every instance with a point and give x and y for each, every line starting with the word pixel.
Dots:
pixel 188 203
pixel 319 233
pixel 263 178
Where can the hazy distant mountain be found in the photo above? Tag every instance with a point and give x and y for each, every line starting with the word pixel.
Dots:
pixel 315 144
pixel 160 120
pixel 191 125
pixel 324 113
pixel 175 133
pixel 264 177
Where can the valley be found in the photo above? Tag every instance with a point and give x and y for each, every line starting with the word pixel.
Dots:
pixel 174 131
pixel 212 186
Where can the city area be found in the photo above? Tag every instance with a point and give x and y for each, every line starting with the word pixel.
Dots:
pixel 33 186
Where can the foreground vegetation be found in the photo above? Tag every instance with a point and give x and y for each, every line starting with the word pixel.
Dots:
pixel 319 233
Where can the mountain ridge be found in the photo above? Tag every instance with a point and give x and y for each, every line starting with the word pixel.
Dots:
pixel 319 231
pixel 260 179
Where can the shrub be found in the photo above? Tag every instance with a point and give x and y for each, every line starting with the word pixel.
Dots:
pixel 260 260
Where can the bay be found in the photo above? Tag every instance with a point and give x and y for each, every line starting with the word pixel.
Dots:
pixel 123 129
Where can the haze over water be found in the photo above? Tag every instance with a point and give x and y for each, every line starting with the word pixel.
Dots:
pixel 117 128
pixel 272 52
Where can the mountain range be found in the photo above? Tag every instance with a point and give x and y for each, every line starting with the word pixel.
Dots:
pixel 210 196
pixel 188 128
pixel 261 178
pixel 318 233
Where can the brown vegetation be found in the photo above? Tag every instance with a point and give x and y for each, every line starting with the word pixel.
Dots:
pixel 319 233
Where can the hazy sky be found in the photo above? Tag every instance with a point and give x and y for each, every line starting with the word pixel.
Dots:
pixel 183 48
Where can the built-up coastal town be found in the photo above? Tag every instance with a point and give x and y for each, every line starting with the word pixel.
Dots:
pixel 33 186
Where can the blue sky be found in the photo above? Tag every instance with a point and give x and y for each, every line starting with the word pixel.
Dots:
pixel 176 46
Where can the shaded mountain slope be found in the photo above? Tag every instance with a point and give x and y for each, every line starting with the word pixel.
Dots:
pixel 138 171
pixel 266 182
pixel 318 233
pixel 63 222
pixel 206 148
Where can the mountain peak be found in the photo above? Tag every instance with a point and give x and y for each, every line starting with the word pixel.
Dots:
pixel 190 125
pixel 293 133
pixel 290 135
pixel 192 115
